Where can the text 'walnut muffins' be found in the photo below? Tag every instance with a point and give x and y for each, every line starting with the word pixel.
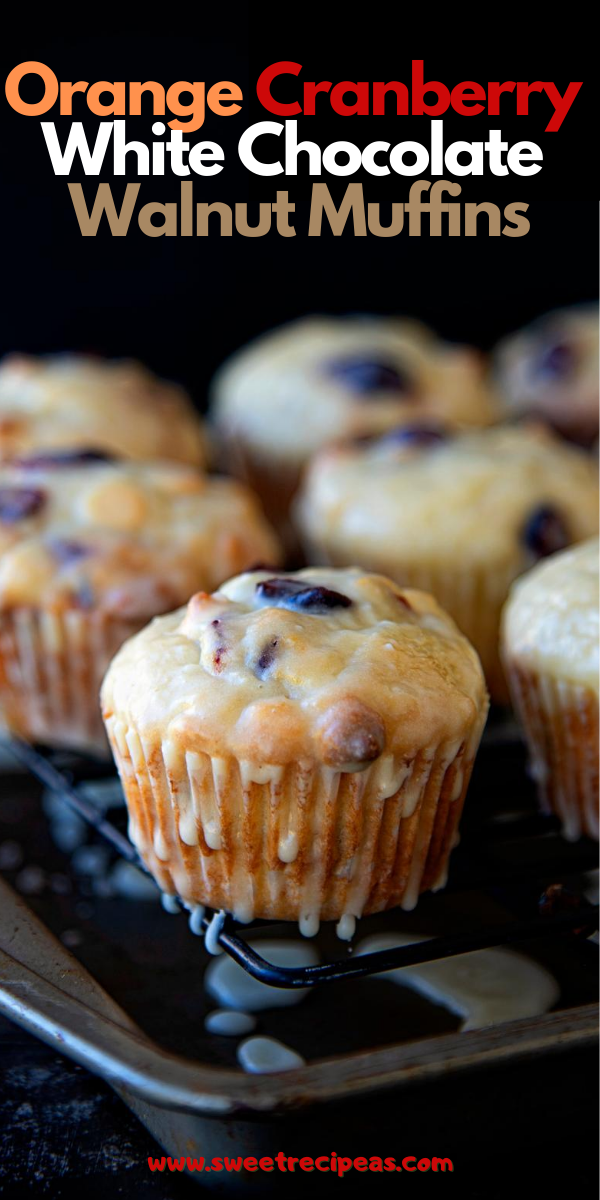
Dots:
pixel 90 549
pixel 551 632
pixel 297 747
pixel 459 515
pixel 300 387
pixel 76 401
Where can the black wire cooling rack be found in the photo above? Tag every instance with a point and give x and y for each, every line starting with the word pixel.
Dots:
pixel 550 910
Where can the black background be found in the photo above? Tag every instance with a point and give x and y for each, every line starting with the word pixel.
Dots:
pixel 182 304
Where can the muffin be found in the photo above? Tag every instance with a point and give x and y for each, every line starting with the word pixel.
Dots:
pixel 550 370
pixel 458 515
pixel 309 383
pixel 550 640
pixel 90 549
pixel 297 747
pixel 71 401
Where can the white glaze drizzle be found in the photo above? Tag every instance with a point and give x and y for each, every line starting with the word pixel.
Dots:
pixel 346 927
pixel 170 903
pixel 287 850
pixel 160 846
pixel 309 924
pixel 188 831
pixel 195 920
pixel 267 1056
pixel 485 987
pixel 227 1023
pixel 212 834
pixel 233 988
pixel 211 940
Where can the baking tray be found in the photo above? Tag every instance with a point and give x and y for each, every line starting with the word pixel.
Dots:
pixel 146 1037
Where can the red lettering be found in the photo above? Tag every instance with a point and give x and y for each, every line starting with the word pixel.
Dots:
pixel 495 91
pixel 523 93
pixel 442 1163
pixel 421 89
pixel 310 91
pixel 360 108
pixel 465 96
pixel 561 104
pixel 379 93
pixel 263 88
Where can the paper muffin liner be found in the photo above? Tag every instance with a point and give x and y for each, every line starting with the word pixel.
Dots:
pixel 560 721
pixel 51 668
pixel 473 597
pixel 301 842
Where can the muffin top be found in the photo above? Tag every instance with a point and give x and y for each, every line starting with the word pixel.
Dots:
pixel 550 369
pixel 308 383
pixel 319 666
pixel 67 401
pixel 78 530
pixel 551 619
pixel 508 495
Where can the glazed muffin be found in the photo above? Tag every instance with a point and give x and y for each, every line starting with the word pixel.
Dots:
pixel 550 370
pixel 458 515
pixel 550 646
pixel 297 747
pixel 71 401
pixel 90 550
pixel 302 386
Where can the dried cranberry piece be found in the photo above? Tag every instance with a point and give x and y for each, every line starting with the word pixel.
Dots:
pixel 16 503
pixel 67 551
pixel 220 646
pixel 64 458
pixel 556 361
pixel 364 375
pixel 298 594
pixel 416 435
pixel 403 601
pixel 546 532
pixel 267 657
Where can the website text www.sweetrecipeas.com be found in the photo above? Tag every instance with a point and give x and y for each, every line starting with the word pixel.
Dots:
pixel 336 1164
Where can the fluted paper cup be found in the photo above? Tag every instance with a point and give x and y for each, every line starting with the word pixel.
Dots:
pixel 560 721
pixel 301 842
pixel 51 668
